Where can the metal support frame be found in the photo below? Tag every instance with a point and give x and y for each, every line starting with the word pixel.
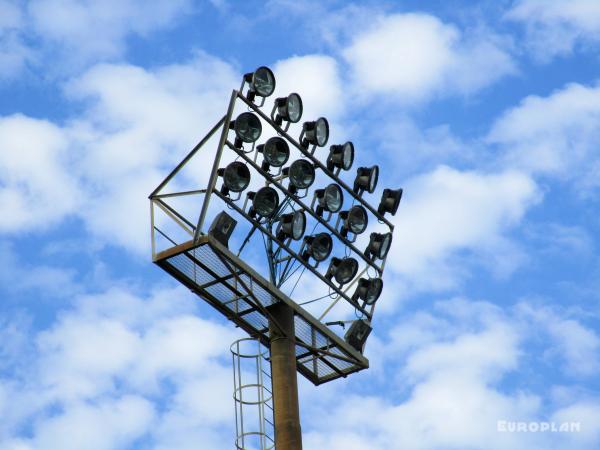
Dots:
pixel 213 175
pixel 255 304
pixel 197 230
pixel 315 161
pixel 292 253
pixel 306 208
pixel 243 284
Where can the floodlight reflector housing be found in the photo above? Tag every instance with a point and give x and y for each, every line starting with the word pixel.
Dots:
pixel 301 174
pixel 366 179
pixel 341 156
pixel 368 290
pixel 289 108
pixel 330 199
pixel 247 127
pixel 318 246
pixel 317 132
pixel 358 333
pixel 390 200
pixel 356 219
pixel 265 201
pixel 379 245
pixel 342 269
pixel 261 81
pixel 276 151
pixel 222 227
pixel 236 176
pixel 292 225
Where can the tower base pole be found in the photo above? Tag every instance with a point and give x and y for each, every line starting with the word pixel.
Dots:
pixel 288 435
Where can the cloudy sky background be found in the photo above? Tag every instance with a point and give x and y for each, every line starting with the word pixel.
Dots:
pixel 487 114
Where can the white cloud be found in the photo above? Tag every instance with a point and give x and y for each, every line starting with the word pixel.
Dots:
pixel 556 27
pixel 445 388
pixel 107 425
pixel 135 127
pixel 410 149
pixel 587 415
pixel 574 344
pixel 98 29
pixel 36 187
pixel 18 276
pixel 316 78
pixel 14 54
pixel 416 56
pixel 116 368
pixel 447 212
pixel 555 135
pixel 76 32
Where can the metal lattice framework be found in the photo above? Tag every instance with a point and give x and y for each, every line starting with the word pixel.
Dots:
pixel 182 247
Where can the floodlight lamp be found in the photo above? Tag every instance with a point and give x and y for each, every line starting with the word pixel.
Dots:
pixel 341 156
pixel 355 219
pixel 275 151
pixel 265 201
pixel 368 290
pixel 318 246
pixel 366 179
pixel 292 225
pixel 261 81
pixel 222 227
pixel 236 177
pixel 342 269
pixel 379 245
pixel 301 174
pixel 329 199
pixel 315 133
pixel 390 199
pixel 358 333
pixel 247 128
pixel 288 108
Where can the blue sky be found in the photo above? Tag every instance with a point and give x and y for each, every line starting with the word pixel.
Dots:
pixel 486 113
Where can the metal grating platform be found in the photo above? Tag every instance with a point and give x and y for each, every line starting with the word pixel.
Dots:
pixel 223 280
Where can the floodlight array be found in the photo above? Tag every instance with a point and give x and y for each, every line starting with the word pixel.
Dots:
pixel 279 212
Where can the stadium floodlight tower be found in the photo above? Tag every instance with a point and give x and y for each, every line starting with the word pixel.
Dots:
pixel 275 240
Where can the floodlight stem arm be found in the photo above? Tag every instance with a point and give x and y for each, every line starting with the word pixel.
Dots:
pixel 308 209
pixel 247 239
pixel 286 410
pixel 188 157
pixel 318 163
pixel 213 176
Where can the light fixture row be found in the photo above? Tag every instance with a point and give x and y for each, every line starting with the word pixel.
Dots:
pixel 276 153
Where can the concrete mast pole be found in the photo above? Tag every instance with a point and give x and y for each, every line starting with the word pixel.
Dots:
pixel 288 435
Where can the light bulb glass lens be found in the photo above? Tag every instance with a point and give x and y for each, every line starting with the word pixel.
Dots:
pixel 263 81
pixel 322 131
pixel 248 127
pixel 298 225
pixel 236 176
pixel 321 246
pixel 333 198
pixel 294 108
pixel 357 219
pixel 266 201
pixel 302 174
pixel 276 151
